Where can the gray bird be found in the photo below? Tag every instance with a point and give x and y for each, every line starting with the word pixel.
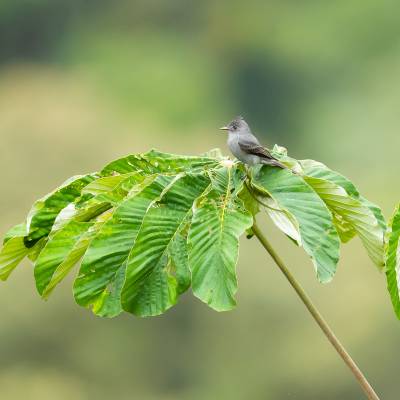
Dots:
pixel 245 146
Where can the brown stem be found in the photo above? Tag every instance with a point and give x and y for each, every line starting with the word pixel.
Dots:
pixel 365 385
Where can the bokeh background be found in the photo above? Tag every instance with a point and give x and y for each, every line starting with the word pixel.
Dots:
pixel 83 82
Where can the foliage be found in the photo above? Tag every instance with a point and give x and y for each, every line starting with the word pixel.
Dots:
pixel 392 255
pixel 148 226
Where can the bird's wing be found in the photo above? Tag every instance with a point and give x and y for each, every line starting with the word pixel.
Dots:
pixel 253 147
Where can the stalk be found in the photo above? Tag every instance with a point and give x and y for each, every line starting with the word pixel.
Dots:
pixel 361 379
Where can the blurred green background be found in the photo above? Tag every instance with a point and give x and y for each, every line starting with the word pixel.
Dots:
pixel 83 82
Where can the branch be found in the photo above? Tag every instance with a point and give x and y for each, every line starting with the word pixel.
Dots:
pixel 365 385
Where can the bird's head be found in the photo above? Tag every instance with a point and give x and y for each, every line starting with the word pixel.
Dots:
pixel 237 125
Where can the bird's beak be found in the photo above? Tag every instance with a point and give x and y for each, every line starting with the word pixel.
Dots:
pixel 224 128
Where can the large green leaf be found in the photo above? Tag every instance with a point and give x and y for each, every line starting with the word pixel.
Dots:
pixel 44 212
pixel 111 192
pixel 318 234
pixel 351 215
pixel 99 196
pixel 157 162
pixel 102 271
pixel 107 184
pixel 150 288
pixel 254 201
pixel 376 210
pixel 283 219
pixel 250 200
pixel 219 220
pixel 316 169
pixel 60 254
pixel 34 252
pixel 392 258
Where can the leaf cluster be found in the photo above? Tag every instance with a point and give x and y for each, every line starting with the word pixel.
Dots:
pixel 147 227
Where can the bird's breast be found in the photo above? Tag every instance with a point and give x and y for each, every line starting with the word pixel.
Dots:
pixel 233 144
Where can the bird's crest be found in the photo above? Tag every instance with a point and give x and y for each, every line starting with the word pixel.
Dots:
pixel 236 122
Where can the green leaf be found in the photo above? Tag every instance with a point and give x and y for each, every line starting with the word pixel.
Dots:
pixel 376 211
pixel 59 255
pixel 103 268
pixel 392 260
pixel 219 220
pixel 318 234
pixel 106 184
pixel 353 216
pixel 283 219
pixel 316 169
pixel 12 253
pixel 114 193
pixel 149 287
pixel 88 206
pixel 156 162
pixel 251 204
pixel 359 216
pixel 250 200
pixel 34 251
pixel 44 212
pixel 16 231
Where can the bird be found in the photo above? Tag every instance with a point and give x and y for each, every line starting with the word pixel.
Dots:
pixel 246 147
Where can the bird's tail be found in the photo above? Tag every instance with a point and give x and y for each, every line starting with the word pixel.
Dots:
pixel 274 163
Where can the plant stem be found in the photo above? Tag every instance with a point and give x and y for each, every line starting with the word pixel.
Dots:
pixel 365 385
